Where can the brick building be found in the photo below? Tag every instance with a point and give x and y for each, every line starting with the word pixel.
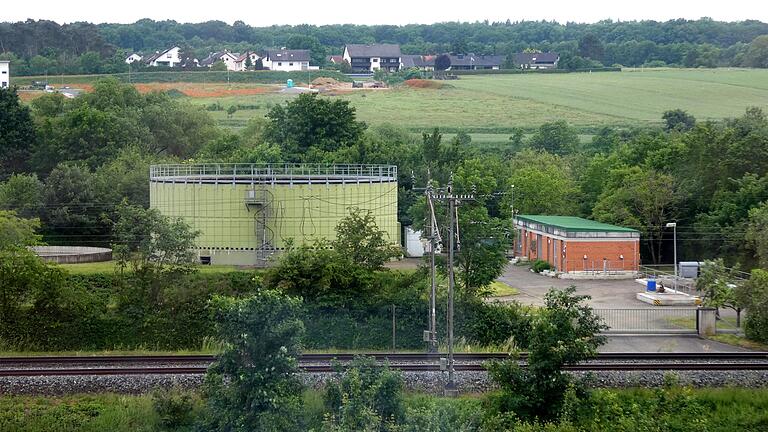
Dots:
pixel 572 244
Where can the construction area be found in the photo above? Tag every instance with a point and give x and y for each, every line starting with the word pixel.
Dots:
pixel 246 213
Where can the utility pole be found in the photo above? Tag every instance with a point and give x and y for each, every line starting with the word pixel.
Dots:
pixel 433 233
pixel 453 200
pixel 434 239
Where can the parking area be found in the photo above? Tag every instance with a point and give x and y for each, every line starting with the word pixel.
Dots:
pixel 604 293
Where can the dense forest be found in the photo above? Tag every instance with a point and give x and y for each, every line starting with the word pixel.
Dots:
pixel 45 47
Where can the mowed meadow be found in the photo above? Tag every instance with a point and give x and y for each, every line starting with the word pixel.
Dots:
pixel 493 104
pixel 489 106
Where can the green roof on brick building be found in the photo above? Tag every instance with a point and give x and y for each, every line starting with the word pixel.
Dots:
pixel 574 224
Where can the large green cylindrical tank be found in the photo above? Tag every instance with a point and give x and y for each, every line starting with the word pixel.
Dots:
pixel 247 212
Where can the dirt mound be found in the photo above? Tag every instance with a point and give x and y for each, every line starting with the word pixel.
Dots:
pixel 422 83
pixel 324 81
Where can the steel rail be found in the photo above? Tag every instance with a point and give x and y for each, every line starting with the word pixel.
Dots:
pixel 397 357
pixel 392 357
pixel 472 367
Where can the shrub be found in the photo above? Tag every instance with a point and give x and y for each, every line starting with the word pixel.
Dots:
pixel 540 265
pixel 253 385
pixel 367 396
pixel 174 408
pixel 563 333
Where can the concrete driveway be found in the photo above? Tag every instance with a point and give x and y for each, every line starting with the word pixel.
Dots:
pixel 605 293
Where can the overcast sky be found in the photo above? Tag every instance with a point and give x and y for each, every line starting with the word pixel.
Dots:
pixel 264 13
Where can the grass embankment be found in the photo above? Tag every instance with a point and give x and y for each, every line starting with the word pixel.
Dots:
pixel 198 76
pixel 727 410
pixel 500 289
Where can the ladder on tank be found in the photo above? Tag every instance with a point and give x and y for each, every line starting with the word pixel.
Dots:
pixel 259 200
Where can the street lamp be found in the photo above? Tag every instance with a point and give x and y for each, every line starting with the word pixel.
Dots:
pixel 673 225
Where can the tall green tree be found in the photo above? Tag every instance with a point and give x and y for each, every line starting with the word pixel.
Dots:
pixel 753 295
pixel 361 241
pixel 555 137
pixel 313 124
pixel 16 232
pixel 543 184
pixel 717 283
pixel 17 134
pixel 22 193
pixel 644 200
pixel 757 233
pixel 253 385
pixel 150 242
pixel 565 332
pixel 757 53
pixel 678 120
pixel 483 253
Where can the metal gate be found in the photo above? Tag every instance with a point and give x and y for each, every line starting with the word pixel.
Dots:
pixel 657 320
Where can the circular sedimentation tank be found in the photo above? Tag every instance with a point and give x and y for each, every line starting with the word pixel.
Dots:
pixel 246 213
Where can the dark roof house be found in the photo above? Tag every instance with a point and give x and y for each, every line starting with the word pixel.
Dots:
pixel 546 60
pixel 287 55
pixel 367 58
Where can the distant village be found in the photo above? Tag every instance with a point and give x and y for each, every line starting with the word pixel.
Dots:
pixel 357 58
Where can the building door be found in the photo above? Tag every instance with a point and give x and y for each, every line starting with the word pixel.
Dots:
pixel 538 246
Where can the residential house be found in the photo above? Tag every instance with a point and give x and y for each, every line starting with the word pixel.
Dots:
pixel 170 58
pixel 475 62
pixel 368 58
pixel 546 60
pixel 286 60
pixel 423 62
pixel 229 59
pixel 241 62
pixel 5 73
pixel 458 62
pixel 133 58
pixel 335 59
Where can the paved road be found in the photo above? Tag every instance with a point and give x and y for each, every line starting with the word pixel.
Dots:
pixel 604 293
pixel 663 343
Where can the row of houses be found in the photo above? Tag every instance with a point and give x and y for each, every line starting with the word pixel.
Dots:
pixel 368 58
pixel 281 60
pixel 360 58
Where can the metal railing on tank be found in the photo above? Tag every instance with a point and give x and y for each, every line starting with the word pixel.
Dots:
pixel 272 170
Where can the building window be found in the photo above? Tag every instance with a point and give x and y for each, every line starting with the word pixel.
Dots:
pixel 290 64
pixel 5 72
pixel 280 64
pixel 375 60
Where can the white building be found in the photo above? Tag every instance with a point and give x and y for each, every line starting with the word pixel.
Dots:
pixel 133 58
pixel 240 63
pixel 286 60
pixel 5 73
pixel 368 58
pixel 229 59
pixel 170 58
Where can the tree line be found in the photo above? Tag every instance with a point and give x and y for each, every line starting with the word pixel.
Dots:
pixel 45 47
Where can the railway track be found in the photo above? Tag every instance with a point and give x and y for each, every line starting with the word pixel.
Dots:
pixel 406 362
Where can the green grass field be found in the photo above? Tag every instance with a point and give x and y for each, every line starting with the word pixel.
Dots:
pixel 489 106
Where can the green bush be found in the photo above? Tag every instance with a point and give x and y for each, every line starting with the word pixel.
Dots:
pixel 366 396
pixel 174 408
pixel 540 265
